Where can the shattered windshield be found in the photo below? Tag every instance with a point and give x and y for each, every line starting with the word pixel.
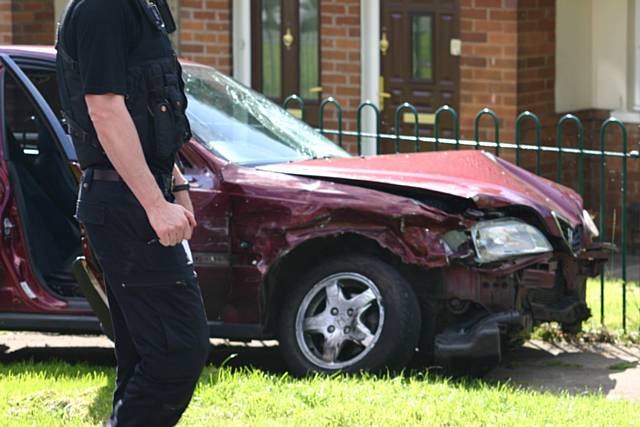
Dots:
pixel 244 127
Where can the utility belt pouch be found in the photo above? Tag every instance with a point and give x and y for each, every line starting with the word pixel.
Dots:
pixel 79 135
pixel 167 104
pixel 165 130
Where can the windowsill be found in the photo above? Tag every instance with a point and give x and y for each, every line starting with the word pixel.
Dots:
pixel 626 116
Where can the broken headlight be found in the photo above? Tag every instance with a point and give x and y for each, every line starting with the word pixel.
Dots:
pixel 507 237
pixel 589 224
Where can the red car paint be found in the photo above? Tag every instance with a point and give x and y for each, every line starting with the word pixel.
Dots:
pixel 489 181
pixel 249 219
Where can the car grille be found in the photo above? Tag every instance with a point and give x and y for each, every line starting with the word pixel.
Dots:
pixel 572 236
pixel 576 241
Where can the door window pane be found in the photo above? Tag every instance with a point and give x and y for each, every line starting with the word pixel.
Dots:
pixel 271 45
pixel 26 132
pixel 422 38
pixel 309 48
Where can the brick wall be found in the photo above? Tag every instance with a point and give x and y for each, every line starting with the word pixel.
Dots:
pixel 340 53
pixel 33 22
pixel 536 79
pixel 6 30
pixel 536 55
pixel 508 64
pixel 488 65
pixel 27 22
pixel 205 35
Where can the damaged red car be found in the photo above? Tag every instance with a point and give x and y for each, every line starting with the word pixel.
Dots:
pixel 351 263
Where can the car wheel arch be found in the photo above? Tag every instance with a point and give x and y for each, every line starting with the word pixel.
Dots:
pixel 293 263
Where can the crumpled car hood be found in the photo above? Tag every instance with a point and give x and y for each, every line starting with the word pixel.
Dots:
pixel 489 181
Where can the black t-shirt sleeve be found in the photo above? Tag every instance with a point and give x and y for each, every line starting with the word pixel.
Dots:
pixel 102 43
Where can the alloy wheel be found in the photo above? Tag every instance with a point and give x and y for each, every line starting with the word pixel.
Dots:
pixel 339 320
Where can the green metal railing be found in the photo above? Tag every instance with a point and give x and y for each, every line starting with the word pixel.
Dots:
pixel 419 141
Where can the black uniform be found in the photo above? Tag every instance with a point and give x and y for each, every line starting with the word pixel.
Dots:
pixel 160 327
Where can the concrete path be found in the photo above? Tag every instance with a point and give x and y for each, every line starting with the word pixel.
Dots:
pixel 610 369
pixel 541 366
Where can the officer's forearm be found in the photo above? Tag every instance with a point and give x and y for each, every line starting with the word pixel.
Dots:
pixel 178 178
pixel 121 143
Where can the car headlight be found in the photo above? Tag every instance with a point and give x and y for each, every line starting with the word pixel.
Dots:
pixel 508 237
pixel 589 224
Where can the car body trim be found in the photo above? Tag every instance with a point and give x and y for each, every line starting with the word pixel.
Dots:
pixel 211 259
pixel 49 323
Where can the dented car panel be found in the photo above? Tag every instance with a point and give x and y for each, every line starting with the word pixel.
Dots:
pixel 490 182
pixel 276 208
pixel 277 212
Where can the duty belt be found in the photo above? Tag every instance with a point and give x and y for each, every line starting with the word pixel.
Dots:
pixel 165 181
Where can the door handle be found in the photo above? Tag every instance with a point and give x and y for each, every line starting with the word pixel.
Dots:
pixel 316 89
pixel 384 42
pixel 288 39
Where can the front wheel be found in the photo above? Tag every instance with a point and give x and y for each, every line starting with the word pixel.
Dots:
pixel 350 314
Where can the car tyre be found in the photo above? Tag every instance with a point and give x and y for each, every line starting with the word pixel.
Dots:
pixel 350 314
pixel 425 356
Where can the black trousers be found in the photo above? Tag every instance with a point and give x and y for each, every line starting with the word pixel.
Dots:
pixel 160 326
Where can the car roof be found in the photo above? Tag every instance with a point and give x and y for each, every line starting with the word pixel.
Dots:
pixel 49 52
pixel 45 52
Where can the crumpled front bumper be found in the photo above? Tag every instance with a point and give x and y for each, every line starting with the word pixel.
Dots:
pixel 591 261
pixel 479 340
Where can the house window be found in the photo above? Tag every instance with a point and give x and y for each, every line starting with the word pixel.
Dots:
pixel 421 49
pixel 286 50
pixel 271 53
pixel 309 49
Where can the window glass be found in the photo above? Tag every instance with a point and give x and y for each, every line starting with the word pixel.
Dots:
pixel 422 50
pixel 47 84
pixel 309 48
pixel 271 45
pixel 244 127
pixel 26 133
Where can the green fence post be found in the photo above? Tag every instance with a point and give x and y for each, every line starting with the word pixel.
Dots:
pixel 332 100
pixel 603 160
pixel 538 126
pixel 376 110
pixel 571 118
pixel 623 220
pixel 294 98
pixel 416 125
pixel 456 125
pixel 496 126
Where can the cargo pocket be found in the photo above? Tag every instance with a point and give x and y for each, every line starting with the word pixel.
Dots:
pixel 180 319
pixel 165 129
pixel 179 103
pixel 153 265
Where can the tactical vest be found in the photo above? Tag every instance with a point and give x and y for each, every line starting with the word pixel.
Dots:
pixel 155 99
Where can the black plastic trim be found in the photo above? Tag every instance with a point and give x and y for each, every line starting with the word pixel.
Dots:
pixel 50 323
pixel 238 331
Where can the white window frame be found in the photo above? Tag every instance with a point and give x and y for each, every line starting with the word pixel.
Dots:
pixel 369 67
pixel 241 41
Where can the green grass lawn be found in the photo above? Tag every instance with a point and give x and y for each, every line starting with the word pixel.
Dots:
pixel 56 394
pixel 59 394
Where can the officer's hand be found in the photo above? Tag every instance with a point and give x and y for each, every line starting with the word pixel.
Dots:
pixel 183 199
pixel 172 223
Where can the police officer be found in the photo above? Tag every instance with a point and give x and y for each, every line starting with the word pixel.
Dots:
pixel 123 96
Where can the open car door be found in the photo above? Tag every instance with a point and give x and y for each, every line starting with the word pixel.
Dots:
pixel 41 238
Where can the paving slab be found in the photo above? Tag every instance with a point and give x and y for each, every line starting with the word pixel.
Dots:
pixel 610 369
